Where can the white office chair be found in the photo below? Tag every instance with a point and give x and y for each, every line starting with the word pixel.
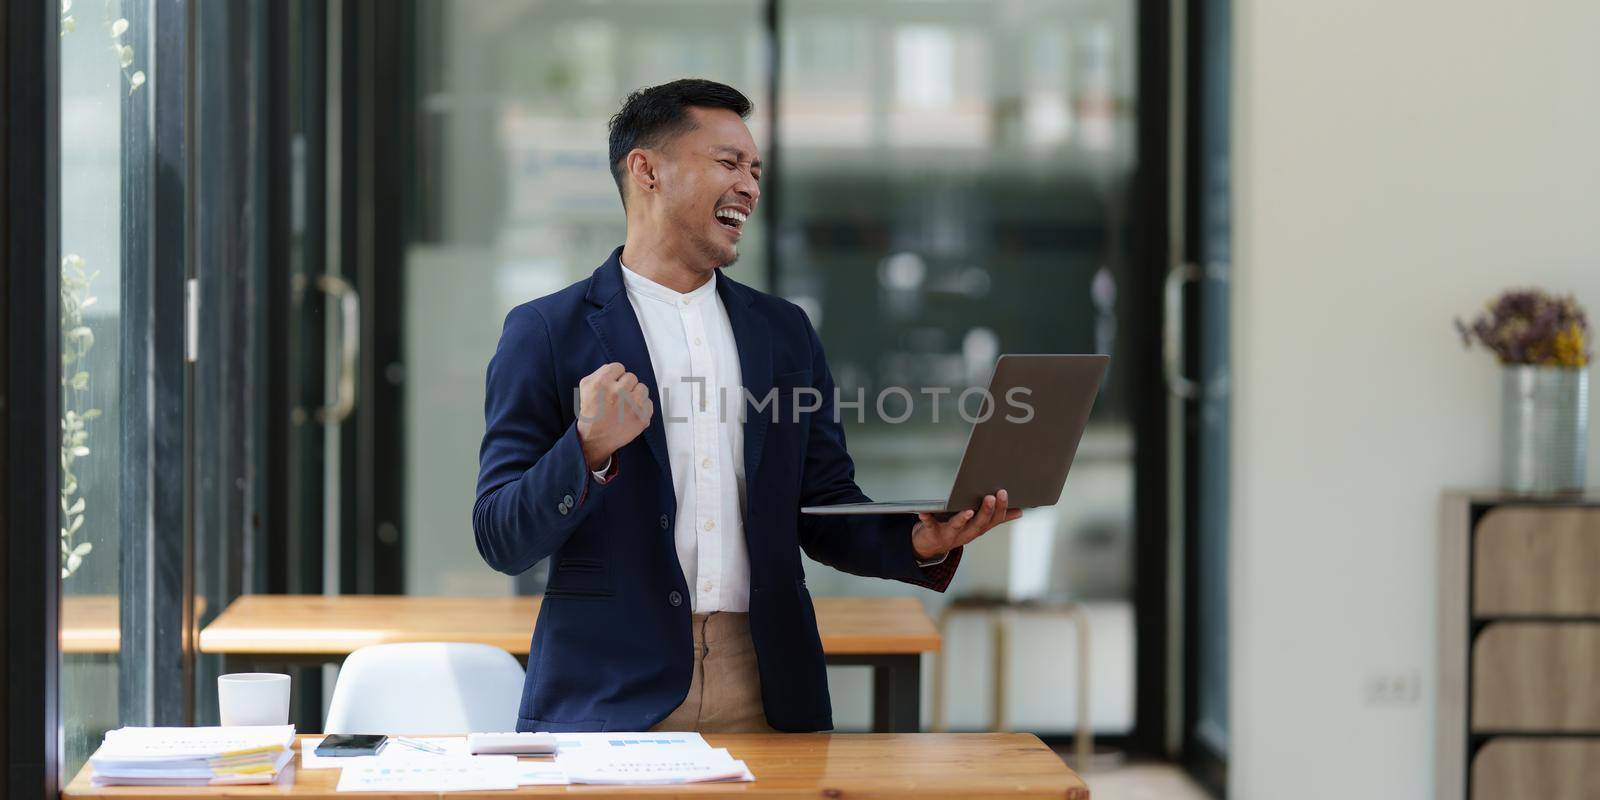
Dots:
pixel 426 688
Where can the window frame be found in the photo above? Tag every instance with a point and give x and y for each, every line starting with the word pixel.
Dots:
pixel 30 405
pixel 155 658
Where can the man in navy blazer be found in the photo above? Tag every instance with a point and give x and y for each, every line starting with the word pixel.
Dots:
pixel 578 466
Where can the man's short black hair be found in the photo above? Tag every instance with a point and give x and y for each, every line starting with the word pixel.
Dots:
pixel 655 114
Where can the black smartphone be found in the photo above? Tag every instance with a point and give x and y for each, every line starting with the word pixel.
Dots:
pixel 351 744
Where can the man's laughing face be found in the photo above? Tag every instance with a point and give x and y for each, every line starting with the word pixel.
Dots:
pixel 711 182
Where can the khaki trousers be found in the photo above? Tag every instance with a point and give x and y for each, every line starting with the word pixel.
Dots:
pixel 725 690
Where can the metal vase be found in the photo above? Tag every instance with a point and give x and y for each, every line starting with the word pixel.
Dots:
pixel 1544 429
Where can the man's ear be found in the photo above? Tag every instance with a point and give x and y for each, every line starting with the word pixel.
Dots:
pixel 641 169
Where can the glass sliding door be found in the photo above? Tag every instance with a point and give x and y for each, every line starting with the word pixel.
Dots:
pixel 92 88
pixel 517 200
pixel 954 181
pixel 123 484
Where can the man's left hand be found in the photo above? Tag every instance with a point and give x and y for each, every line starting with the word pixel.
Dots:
pixel 933 537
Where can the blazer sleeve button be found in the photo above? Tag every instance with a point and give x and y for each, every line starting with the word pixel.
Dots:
pixel 563 508
pixel 566 500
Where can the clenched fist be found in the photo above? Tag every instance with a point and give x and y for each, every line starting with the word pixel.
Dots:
pixel 613 408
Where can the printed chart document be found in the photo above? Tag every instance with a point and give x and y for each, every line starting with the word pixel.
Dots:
pixel 597 758
pixel 433 774
pixel 662 765
pixel 540 773
pixel 626 741
pixel 645 758
pixel 393 751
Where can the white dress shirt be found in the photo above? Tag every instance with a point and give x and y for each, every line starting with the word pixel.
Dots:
pixel 690 340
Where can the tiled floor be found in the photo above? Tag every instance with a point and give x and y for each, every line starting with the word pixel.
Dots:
pixel 1115 779
pixel 1143 782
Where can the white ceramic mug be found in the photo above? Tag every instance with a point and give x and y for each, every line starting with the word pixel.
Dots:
pixel 253 698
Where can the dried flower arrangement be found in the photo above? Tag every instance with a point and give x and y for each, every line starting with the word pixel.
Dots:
pixel 1531 327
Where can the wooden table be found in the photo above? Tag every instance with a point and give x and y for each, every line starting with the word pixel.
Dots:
pixel 858 765
pixel 91 624
pixel 887 634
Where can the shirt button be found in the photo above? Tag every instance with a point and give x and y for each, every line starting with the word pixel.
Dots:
pixel 664 522
pixel 710 523
pixel 706 462
pixel 696 341
pixel 675 599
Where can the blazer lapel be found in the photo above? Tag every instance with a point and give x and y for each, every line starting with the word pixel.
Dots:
pixel 753 336
pixel 623 340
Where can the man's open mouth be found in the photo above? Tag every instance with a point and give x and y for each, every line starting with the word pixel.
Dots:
pixel 731 218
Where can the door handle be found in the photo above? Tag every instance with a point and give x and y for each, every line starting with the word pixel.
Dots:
pixel 1172 343
pixel 349 348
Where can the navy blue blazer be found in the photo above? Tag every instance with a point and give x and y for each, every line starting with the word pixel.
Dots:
pixel 613 649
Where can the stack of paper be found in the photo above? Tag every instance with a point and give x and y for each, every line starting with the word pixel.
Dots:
pixel 192 756
pixel 645 758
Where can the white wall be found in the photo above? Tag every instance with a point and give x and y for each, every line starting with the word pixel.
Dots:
pixel 1396 164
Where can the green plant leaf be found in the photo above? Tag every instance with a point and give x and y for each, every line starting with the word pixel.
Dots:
pixel 80 380
pixel 80 451
pixel 77 508
pixel 93 413
pixel 82 549
pixel 118 28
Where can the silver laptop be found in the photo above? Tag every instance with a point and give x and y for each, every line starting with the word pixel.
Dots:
pixel 1025 444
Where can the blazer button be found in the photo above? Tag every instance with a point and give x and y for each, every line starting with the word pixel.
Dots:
pixel 566 500
pixel 664 525
pixel 563 509
pixel 675 598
